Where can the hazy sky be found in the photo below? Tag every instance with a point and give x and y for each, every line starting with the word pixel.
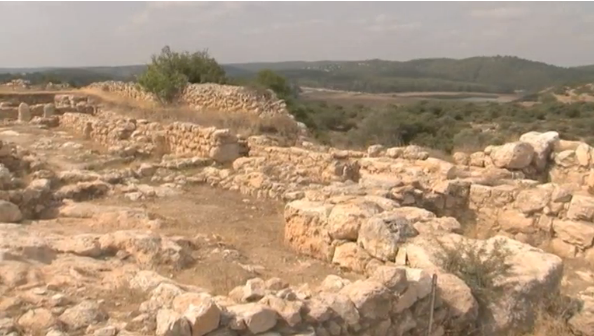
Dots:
pixel 120 33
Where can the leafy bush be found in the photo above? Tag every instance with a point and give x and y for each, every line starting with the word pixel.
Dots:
pixel 170 72
pixel 444 125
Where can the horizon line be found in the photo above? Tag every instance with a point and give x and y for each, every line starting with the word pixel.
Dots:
pixel 295 61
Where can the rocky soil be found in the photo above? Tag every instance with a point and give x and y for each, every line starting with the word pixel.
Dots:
pixel 93 236
pixel 116 226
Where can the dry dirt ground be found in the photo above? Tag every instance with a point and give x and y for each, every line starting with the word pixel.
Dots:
pixel 252 227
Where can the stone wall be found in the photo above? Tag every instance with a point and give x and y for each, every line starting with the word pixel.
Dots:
pixel 538 155
pixel 211 97
pixel 362 234
pixel 551 215
pixel 557 215
pixel 131 136
pixel 62 103
pixel 392 301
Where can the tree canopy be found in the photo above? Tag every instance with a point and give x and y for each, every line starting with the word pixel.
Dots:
pixel 169 72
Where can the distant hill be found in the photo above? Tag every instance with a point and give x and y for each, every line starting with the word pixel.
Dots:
pixel 585 67
pixel 489 74
pixel 85 75
pixel 498 74
pixel 74 76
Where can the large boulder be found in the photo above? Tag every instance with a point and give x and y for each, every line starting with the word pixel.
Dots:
pixel 381 235
pixel 524 273
pixel 514 155
pixel 345 219
pixel 543 144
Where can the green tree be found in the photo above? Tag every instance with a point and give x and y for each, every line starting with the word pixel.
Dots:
pixel 275 82
pixel 169 72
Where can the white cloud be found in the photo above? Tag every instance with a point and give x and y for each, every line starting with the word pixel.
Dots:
pixel 160 15
pixel 500 13
pixel 556 32
pixel 393 27
pixel 193 11
pixel 298 24
pixel 169 4
pixel 384 23
pixel 381 18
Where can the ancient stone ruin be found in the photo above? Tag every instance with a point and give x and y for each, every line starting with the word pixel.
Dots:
pixel 212 97
pixel 377 224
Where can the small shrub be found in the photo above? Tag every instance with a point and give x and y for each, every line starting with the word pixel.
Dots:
pixel 478 265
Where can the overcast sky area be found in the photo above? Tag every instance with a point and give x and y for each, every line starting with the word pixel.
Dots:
pixel 122 33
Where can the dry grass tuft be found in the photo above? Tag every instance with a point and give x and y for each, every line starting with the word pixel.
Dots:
pixel 243 124
pixel 112 98
pixel 552 316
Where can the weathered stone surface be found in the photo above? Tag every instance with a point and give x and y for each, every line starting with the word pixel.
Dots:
pixel 351 256
pixel 577 233
pixel 257 318
pixel 372 299
pixel 24 112
pixel 381 234
pixel 203 316
pixel 83 314
pixel 543 144
pixel 48 110
pixel 393 278
pixel 38 319
pixel 375 237
pixel 345 219
pixel 339 304
pixel 170 323
pixel 582 154
pixel 9 212
pixel 458 297
pixel 532 200
pixel 516 155
pixel 306 228
pixel 333 283
pixel 289 311
pixel 563 249
pixel 515 222
pixel 581 207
